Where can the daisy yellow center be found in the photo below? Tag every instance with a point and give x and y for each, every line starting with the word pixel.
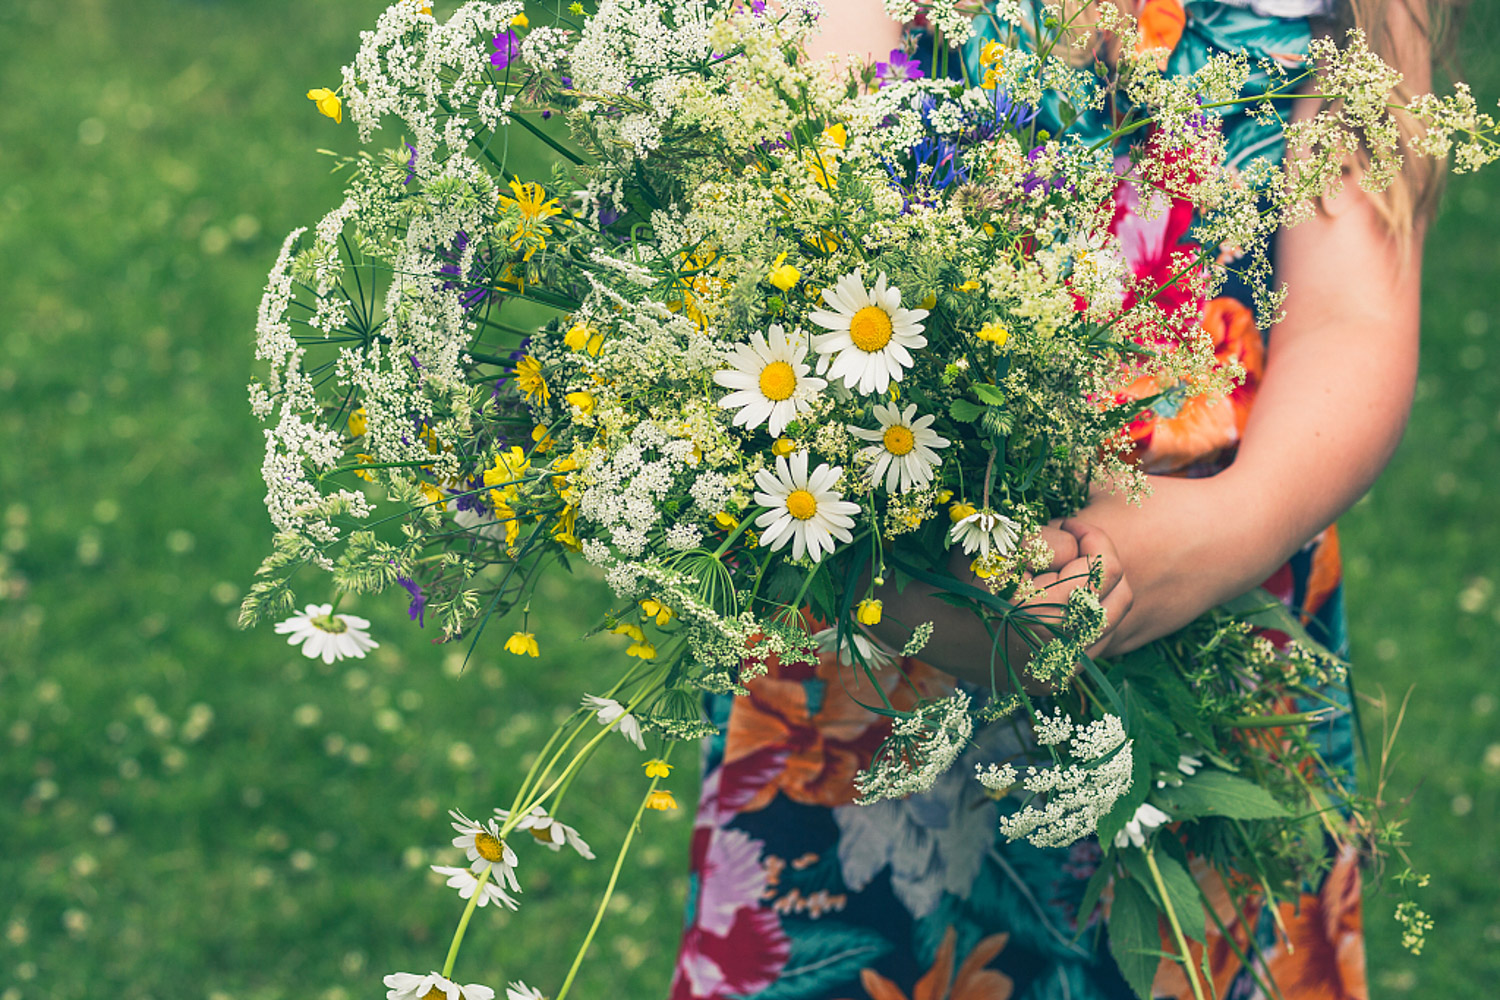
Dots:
pixel 899 440
pixel 543 833
pixel 778 380
pixel 801 504
pixel 329 623
pixel 489 846
pixel 870 329
pixel 434 994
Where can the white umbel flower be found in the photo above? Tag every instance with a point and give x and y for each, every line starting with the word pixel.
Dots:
pixel 520 991
pixel 872 335
pixel 482 843
pixel 467 884
pixel 805 509
pixel 407 986
pixel 323 633
pixel 1147 818
pixel 608 712
pixel 986 531
pixel 548 831
pixel 770 380
pixel 906 450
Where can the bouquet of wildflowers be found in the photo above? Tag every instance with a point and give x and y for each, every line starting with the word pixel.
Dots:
pixel 772 333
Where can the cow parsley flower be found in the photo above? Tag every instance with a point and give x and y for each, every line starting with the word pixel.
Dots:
pixel 608 712
pixel 771 382
pixel 320 632
pixel 805 509
pixel 872 334
pixel 407 986
pixel 906 453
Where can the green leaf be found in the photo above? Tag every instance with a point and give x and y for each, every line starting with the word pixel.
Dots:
pixel 989 394
pixel 825 957
pixel 1134 940
pixel 1182 891
pixel 1218 793
pixel 964 411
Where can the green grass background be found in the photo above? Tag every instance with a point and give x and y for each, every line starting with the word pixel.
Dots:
pixel 188 811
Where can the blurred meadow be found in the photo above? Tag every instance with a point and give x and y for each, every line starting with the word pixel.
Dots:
pixel 188 811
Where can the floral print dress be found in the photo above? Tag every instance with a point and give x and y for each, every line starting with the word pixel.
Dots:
pixel 796 893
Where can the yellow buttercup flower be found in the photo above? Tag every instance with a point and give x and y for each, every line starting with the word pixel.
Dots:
pixel 365 474
pixel 657 768
pixel 661 799
pixel 994 333
pixel 564 531
pixel 522 644
pixel 928 302
pixel 868 612
pixel 969 286
pixel 631 629
pixel 784 276
pixel 520 21
pixel 582 337
pixel 657 610
pixel 944 496
pixel 644 650
pixel 837 134
pixel 582 401
pixel 359 422
pixel 508 467
pixel 432 494
pixel 529 379
pixel 783 447
pixel 328 103
pixel 991 54
pixel 959 511
pixel 726 520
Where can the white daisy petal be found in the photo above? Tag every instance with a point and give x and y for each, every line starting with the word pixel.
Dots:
pixel 773 386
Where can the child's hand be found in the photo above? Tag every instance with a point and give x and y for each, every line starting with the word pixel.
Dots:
pixel 1075 545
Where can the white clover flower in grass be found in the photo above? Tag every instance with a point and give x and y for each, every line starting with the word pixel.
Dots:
pixel 905 454
pixel 467 883
pixel 520 991
pixel 872 335
pixel 771 382
pixel 608 712
pixel 482 843
pixel 986 531
pixel 407 986
pixel 323 633
pixel 804 509
pixel 548 831
pixel 1147 818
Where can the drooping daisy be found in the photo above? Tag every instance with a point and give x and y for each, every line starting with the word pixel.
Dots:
pixel 804 509
pixel 1147 818
pixel 406 986
pixel 482 843
pixel 771 382
pixel 467 883
pixel 986 531
pixel 906 453
pixel 548 831
pixel 323 633
pixel 869 652
pixel 872 335
pixel 608 712
pixel 520 991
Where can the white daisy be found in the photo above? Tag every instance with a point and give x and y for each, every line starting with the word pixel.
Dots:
pixel 548 831
pixel 770 380
pixel 482 843
pixel 871 654
pixel 520 991
pixel 323 633
pixel 406 986
pixel 988 532
pixel 872 336
pixel 1147 818
pixel 805 509
pixel 906 453
pixel 467 884
pixel 608 711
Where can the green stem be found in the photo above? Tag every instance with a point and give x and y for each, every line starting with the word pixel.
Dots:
pixel 463 923
pixel 1182 947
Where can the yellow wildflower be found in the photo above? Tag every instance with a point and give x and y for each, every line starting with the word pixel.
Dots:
pixel 837 134
pixel 631 629
pixel 644 650
pixel 328 103
pixel 504 474
pixel 657 769
pixel 564 531
pixel 433 495
pixel 929 301
pixel 994 333
pixel 520 21
pixel 365 474
pixel 542 438
pixel 576 9
pixel 783 446
pixel 359 422
pixel 582 337
pixel 944 496
pixel 583 401
pixel 959 511
pixel 969 286
pixel 522 644
pixel 784 276
pixel 657 610
pixel 529 379
pixel 661 799
pixel 868 612
pixel 535 207
pixel 726 520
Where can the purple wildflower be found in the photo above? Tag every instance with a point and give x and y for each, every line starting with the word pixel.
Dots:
pixel 900 67
pixel 758 7
pixel 411 164
pixel 507 48
pixel 418 608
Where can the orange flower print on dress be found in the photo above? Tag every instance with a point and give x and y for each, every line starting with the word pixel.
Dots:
pixel 802 732
pixel 1223 952
pixel 1325 956
pixel 1161 23
pixel 973 982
